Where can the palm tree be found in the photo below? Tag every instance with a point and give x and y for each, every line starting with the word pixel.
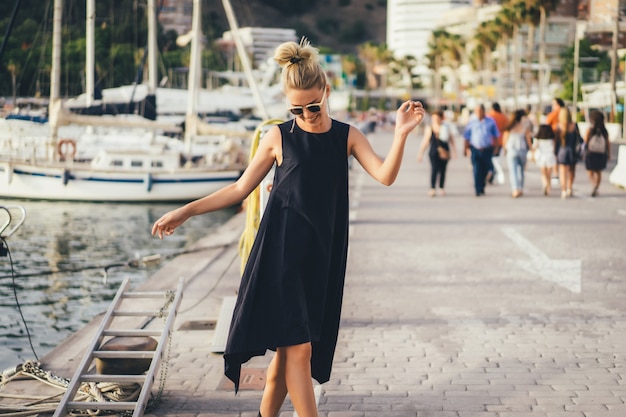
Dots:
pixel 534 14
pixel 531 13
pixel 545 7
pixel 402 68
pixel 485 40
pixel 445 49
pixel 376 59
pixel 508 20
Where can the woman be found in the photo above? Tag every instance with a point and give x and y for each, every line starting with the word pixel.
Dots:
pixel 568 143
pixel 439 134
pixel 290 296
pixel 516 142
pixel 544 155
pixel 598 150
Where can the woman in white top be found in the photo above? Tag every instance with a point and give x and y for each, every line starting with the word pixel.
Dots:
pixel 544 155
pixel 516 142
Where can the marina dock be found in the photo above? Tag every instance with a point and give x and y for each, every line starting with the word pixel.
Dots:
pixel 454 306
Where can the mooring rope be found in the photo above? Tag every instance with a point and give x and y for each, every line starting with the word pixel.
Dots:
pixel 253 215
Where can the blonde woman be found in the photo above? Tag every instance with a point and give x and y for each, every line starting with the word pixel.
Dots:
pixel 290 296
pixel 567 143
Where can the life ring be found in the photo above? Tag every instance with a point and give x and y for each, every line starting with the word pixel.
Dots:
pixel 66 149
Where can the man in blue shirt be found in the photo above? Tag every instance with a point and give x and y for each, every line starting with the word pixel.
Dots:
pixel 481 134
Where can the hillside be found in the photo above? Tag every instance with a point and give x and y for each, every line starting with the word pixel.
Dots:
pixel 334 26
pixel 339 25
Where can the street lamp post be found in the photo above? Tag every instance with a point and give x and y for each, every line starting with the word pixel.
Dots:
pixel 580 32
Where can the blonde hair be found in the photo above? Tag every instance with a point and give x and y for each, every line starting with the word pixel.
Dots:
pixel 300 65
pixel 564 118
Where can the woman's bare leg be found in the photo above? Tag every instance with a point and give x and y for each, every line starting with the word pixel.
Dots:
pixel 290 371
pixel 570 179
pixel 546 174
pixel 298 379
pixel 563 177
pixel 275 386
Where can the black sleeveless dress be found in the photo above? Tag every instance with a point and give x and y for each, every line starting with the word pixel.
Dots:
pixel 292 287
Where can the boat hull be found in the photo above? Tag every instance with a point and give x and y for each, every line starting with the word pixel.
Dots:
pixel 69 183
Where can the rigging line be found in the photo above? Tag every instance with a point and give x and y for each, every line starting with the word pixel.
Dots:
pixel 43 33
pixel 134 263
pixel 219 279
pixel 62 271
pixel 17 301
pixel 9 29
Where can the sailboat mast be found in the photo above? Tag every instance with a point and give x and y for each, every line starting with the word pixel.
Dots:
pixel 191 119
pixel 152 47
pixel 243 56
pixel 90 64
pixel 55 72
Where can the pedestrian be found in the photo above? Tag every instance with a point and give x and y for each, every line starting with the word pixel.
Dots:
pixel 544 155
pixel 516 142
pixel 439 140
pixel 567 150
pixel 553 117
pixel 597 150
pixel 531 118
pixel 289 300
pixel 480 133
pixel 502 121
pixel 553 120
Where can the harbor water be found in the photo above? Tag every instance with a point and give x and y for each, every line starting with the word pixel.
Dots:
pixel 58 271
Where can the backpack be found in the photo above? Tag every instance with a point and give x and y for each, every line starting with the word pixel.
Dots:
pixel 597 143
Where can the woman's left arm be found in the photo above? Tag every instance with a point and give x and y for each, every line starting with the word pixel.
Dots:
pixel 408 117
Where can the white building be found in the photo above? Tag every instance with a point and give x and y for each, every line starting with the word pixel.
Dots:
pixel 261 42
pixel 410 23
pixel 176 15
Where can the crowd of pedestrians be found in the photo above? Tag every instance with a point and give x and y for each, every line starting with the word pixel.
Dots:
pixel 556 146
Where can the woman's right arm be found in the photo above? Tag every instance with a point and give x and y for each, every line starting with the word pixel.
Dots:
pixel 268 152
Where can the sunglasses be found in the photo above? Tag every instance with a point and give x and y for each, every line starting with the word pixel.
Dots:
pixel 313 107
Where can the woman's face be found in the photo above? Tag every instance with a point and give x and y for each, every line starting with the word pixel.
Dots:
pixel 310 106
pixel 435 119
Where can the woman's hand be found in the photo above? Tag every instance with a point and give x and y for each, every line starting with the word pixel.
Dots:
pixel 409 115
pixel 169 222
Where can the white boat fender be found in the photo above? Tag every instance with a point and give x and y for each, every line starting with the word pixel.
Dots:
pixel 67 176
pixel 148 182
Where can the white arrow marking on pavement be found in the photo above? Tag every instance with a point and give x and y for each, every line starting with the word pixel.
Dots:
pixel 563 272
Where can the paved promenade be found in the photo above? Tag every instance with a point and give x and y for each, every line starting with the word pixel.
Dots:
pixel 454 306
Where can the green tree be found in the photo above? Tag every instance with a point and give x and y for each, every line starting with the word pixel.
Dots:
pixel 483 42
pixel 376 59
pixel 444 49
pixel 591 58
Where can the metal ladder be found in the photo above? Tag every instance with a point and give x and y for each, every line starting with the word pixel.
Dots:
pixel 106 329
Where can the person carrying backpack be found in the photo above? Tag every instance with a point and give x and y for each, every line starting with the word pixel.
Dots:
pixel 597 150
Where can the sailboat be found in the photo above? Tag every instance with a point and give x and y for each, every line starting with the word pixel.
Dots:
pixel 156 172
